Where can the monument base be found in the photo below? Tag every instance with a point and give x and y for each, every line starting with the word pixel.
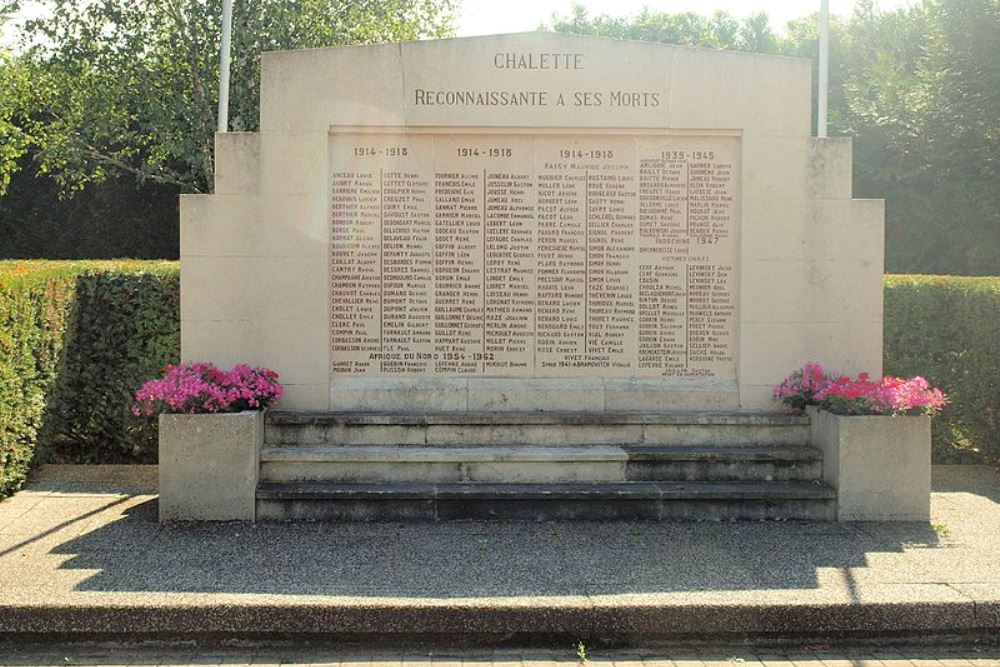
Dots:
pixel 535 465
pixel 520 395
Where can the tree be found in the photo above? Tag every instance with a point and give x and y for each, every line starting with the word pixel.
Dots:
pixel 15 84
pixel 718 31
pixel 14 141
pixel 129 86
pixel 923 103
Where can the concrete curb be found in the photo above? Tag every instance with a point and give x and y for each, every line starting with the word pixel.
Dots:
pixel 504 622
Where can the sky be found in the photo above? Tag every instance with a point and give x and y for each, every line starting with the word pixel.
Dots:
pixel 484 17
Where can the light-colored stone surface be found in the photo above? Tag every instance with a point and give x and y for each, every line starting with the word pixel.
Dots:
pixel 237 225
pixel 831 168
pixel 81 545
pixel 559 394
pixel 880 466
pixel 236 162
pixel 444 464
pixel 533 434
pixel 691 435
pixel 808 284
pixel 644 394
pixel 533 255
pixel 537 429
pixel 380 394
pixel 209 466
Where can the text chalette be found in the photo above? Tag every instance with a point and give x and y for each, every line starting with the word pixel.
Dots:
pixel 538 61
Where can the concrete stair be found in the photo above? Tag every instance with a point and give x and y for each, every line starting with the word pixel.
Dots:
pixel 536 428
pixel 540 466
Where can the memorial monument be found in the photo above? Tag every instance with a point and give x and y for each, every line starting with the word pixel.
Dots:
pixel 542 244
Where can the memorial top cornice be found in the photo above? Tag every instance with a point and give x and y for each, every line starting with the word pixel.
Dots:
pixel 533 35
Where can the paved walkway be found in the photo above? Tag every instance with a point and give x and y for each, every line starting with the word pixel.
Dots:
pixel 81 551
pixel 713 656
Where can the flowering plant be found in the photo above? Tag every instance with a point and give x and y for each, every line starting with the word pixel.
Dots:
pixel 196 388
pixel 842 395
pixel 800 388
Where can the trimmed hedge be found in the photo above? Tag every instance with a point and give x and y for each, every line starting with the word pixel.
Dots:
pixel 947 329
pixel 76 339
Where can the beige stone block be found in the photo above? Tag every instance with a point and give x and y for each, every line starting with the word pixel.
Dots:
pixel 297 349
pixel 776 228
pixel 867 222
pixel 305 397
pixel 677 87
pixel 835 291
pixel 776 168
pixel 543 472
pixel 880 466
pixel 642 394
pixel 315 88
pixel 361 471
pixel 533 434
pixel 770 351
pixel 535 394
pixel 366 434
pixel 399 395
pixel 759 94
pixel 208 466
pixel 254 288
pixel 251 225
pixel 758 397
pixel 214 225
pixel 293 163
pixel 381 434
pixel 831 167
pixel 236 164
pixel 848 292
pixel 445 464
pixel 605 68
pixel 295 225
pixel 688 435
pixel 221 342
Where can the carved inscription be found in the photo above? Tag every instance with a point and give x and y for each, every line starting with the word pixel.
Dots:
pixel 543 255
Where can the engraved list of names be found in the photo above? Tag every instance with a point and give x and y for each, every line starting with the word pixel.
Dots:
pixel 532 255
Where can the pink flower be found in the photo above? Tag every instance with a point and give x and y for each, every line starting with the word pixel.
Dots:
pixel 862 395
pixel 202 388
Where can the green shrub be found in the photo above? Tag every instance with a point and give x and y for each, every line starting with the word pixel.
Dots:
pixel 948 330
pixel 76 339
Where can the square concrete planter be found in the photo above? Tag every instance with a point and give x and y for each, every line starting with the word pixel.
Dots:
pixel 880 466
pixel 209 465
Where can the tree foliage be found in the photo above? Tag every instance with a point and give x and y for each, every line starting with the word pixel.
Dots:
pixel 718 31
pixel 129 86
pixel 919 90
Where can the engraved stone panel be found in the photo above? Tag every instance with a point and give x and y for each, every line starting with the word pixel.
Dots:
pixel 527 255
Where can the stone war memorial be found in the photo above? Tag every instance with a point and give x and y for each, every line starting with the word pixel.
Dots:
pixel 528 276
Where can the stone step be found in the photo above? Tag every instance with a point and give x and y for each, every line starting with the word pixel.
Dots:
pixel 536 428
pixel 414 463
pixel 723 463
pixel 656 501
pixel 522 464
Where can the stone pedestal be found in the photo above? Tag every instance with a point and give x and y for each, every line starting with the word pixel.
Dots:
pixel 209 465
pixel 880 466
